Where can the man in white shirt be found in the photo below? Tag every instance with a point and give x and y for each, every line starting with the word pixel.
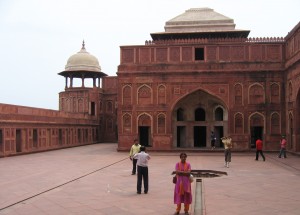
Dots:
pixel 142 169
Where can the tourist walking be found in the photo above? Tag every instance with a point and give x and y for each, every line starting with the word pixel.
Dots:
pixel 259 146
pixel 183 190
pixel 227 150
pixel 135 148
pixel 282 151
pixel 142 170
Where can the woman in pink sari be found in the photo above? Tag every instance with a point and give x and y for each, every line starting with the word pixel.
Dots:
pixel 183 191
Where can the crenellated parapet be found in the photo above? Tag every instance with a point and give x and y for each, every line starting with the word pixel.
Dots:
pixel 216 40
pixel 265 40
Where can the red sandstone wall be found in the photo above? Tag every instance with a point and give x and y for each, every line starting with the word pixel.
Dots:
pixel 108 113
pixel 27 129
pixel 252 51
pixel 254 68
pixel 292 89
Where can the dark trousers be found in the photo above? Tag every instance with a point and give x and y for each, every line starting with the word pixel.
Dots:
pixel 227 154
pixel 134 166
pixel 282 152
pixel 142 174
pixel 212 142
pixel 261 153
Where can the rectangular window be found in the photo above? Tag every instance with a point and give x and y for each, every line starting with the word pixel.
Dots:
pixel 79 135
pixel 35 138
pixel 86 135
pixel 1 137
pixel 60 136
pixel 93 108
pixel 199 53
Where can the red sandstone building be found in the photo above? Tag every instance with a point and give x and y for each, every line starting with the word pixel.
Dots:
pixel 198 76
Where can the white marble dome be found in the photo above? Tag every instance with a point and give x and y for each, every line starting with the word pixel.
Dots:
pixel 83 61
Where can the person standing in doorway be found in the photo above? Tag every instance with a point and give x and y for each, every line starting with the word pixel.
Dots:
pixel 259 146
pixel 227 150
pixel 212 140
pixel 142 170
pixel 135 148
pixel 282 151
pixel 183 190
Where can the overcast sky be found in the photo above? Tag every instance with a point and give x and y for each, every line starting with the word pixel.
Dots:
pixel 38 36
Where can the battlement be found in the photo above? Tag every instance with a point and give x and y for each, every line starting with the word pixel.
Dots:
pixel 217 40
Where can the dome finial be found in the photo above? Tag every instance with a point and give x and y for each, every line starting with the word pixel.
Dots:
pixel 83 61
pixel 83 45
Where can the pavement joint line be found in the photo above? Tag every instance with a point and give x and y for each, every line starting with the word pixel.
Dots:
pixel 280 163
pixel 68 182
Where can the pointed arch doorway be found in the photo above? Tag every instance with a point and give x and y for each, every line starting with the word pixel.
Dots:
pixel 144 129
pixel 144 135
pixel 257 125
pixel 195 116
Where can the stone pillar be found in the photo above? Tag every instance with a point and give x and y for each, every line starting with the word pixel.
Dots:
pixel 94 82
pixel 71 82
pixel 66 85
pixel 82 81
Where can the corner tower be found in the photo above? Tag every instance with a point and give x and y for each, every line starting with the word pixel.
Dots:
pixel 81 99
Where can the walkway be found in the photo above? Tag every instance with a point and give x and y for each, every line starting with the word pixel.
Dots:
pixel 96 179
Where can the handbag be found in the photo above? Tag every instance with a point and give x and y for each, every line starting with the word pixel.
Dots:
pixel 174 179
pixel 191 178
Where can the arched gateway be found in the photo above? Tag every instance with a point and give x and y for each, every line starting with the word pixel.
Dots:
pixel 194 117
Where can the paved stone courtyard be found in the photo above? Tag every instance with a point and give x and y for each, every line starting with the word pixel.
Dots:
pixel 96 179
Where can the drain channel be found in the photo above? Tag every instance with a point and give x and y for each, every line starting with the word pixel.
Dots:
pixel 198 202
pixel 199 196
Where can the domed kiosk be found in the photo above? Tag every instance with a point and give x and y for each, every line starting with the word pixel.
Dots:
pixel 81 99
pixel 82 65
